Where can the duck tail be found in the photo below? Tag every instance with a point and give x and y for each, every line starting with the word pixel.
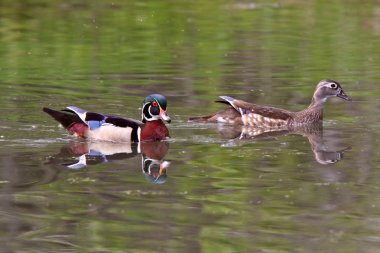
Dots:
pixel 208 118
pixel 228 115
pixel 66 119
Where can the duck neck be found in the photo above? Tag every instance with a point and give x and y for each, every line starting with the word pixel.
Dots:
pixel 315 109
pixel 317 103
pixel 313 113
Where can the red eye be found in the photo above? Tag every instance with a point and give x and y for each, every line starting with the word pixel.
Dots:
pixel 155 104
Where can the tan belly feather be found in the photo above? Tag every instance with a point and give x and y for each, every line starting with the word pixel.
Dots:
pixel 111 133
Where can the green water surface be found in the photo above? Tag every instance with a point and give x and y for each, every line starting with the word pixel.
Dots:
pixel 289 192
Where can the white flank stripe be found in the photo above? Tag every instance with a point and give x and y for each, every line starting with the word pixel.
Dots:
pixel 139 134
pixel 139 148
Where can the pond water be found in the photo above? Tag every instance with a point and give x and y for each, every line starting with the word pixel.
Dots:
pixel 205 190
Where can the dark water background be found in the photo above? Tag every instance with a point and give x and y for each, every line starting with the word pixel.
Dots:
pixel 286 193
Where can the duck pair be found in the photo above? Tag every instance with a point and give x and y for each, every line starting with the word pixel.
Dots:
pixel 98 126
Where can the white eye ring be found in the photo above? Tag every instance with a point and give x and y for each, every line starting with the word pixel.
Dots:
pixel 333 85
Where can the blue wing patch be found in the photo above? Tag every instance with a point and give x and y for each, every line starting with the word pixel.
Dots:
pixel 94 124
pixel 95 120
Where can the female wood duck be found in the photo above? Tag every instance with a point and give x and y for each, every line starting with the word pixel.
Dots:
pixel 97 126
pixel 323 154
pixel 244 113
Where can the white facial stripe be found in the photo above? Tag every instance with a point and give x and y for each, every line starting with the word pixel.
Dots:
pixel 143 115
pixel 153 117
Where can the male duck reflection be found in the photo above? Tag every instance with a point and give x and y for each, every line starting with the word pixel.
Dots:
pixel 153 166
pixel 313 132
pixel 244 113
pixel 113 128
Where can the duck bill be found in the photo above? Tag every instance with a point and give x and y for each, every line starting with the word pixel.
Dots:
pixel 164 116
pixel 341 94
pixel 163 166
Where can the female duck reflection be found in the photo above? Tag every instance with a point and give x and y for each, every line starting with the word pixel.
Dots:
pixel 313 132
pixel 153 166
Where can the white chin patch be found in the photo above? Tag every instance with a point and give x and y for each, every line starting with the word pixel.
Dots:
pixel 153 118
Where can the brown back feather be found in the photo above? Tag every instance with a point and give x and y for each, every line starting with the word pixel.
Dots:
pixel 265 111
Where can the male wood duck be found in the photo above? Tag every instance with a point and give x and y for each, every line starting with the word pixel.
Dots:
pixel 89 153
pixel 97 126
pixel 244 113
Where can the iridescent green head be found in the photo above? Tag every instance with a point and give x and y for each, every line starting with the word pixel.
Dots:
pixel 154 108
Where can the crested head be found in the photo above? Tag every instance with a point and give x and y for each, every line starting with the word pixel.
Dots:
pixel 158 98
pixel 328 88
pixel 154 108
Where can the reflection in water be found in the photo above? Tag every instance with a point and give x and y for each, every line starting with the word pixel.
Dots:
pixel 154 167
pixel 313 132
pixel 26 209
